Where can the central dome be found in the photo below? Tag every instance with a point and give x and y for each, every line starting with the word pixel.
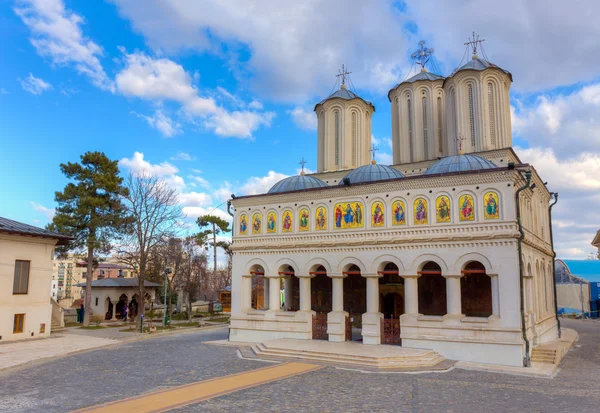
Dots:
pixel 296 183
pixel 459 163
pixel 371 173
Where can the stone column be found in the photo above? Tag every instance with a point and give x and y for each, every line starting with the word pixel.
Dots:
pixel 336 319
pixel 305 294
pixel 495 295
pixel 114 310
pixel 453 298
pixel 371 320
pixel 246 293
pixel 266 295
pixel 411 295
pixel 287 288
pixel 305 315
pixel 274 291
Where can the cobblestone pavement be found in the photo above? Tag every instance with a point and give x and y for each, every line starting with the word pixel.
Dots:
pixel 134 368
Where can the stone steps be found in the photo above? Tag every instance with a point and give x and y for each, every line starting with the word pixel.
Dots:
pixel 541 355
pixel 428 359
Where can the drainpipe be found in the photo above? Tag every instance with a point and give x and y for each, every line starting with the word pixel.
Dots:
pixel 553 262
pixel 232 226
pixel 526 360
pixel 229 208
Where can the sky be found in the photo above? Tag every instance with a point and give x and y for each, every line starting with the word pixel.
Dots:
pixel 217 96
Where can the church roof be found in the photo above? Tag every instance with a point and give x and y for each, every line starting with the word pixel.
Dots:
pixel 118 283
pixel 296 183
pixel 459 163
pixel 422 75
pixel 343 93
pixel 371 173
pixel 18 228
pixel 480 64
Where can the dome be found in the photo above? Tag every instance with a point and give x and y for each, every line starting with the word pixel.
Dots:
pixel 459 163
pixel 296 183
pixel 371 173
pixel 343 93
pixel 480 64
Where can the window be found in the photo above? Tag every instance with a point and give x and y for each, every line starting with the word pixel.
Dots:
pixel 354 138
pixel 476 291
pixel 96 301
pixel 492 113
pixel 425 138
pixel 410 129
pixel 21 280
pixel 439 130
pixel 18 323
pixel 338 137
pixel 84 274
pixel 432 290
pixel 472 116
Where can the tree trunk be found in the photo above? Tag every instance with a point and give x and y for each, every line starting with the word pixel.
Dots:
pixel 142 287
pixel 215 249
pixel 88 285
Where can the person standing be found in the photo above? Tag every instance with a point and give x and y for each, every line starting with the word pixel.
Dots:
pixel 124 312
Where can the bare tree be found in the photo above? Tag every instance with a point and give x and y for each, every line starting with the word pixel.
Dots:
pixel 193 268
pixel 153 205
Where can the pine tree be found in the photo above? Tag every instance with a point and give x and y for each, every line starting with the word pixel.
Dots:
pixel 90 210
pixel 218 225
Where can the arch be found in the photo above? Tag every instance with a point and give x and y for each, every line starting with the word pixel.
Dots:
pixel 465 259
pixel 287 220
pixel 271 221
pixel 304 220
pixel 431 286
pixel 422 259
pixel 443 208
pixel 313 264
pixel 476 290
pixel 377 213
pixel 398 211
pixel 321 217
pixel 466 206
pixel 337 136
pixel 354 135
pixel 243 224
pixel 253 263
pixel 284 262
pixel 256 223
pixel 345 263
pixel 492 204
pixel 380 262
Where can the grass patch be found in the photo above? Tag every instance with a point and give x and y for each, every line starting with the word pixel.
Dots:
pixel 188 324
pixel 220 320
pixel 92 327
pixel 72 324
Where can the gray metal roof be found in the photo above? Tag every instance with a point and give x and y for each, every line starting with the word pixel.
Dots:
pixel 418 77
pixel 371 173
pixel 459 163
pixel 343 93
pixel 18 228
pixel 480 64
pixel 119 282
pixel 296 183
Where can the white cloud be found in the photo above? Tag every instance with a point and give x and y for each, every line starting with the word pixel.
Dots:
pixel 34 85
pixel 57 35
pixel 182 156
pixel 260 184
pixel 161 79
pixel 577 180
pixel 48 212
pixel 161 122
pixel 194 212
pixel 303 118
pixel 384 158
pixel 295 48
pixel 139 166
pixel 195 199
pixel 544 43
pixel 568 123
pixel 4 91
pixel 200 181
pixel 256 105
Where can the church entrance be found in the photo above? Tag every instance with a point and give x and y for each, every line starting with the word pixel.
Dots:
pixel 320 297
pixel 355 302
pixel 391 303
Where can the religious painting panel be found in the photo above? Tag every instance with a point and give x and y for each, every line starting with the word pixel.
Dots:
pixel 286 221
pixel 466 207
pixel 304 220
pixel 377 214
pixel 271 222
pixel 442 209
pixel 243 229
pixel 256 223
pixel 491 205
pixel 398 212
pixel 348 215
pixel 420 211
pixel 321 219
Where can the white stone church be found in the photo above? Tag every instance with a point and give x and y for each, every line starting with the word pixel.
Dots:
pixel 449 249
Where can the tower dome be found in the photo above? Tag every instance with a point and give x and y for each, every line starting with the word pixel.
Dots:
pixel 459 163
pixel 371 173
pixel 296 183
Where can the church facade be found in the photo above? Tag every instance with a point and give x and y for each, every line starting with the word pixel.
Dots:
pixel 448 249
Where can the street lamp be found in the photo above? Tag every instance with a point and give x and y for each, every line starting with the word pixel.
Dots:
pixel 167 272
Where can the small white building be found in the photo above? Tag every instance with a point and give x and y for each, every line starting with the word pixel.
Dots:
pixel 26 254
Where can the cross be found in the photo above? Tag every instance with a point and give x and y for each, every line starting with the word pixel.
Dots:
pixel 459 140
pixel 302 162
pixel 373 150
pixel 474 42
pixel 343 74
pixel 421 55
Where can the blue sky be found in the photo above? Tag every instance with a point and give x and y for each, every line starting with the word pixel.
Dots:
pixel 217 96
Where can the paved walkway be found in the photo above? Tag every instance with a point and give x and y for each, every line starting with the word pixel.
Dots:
pixel 13 354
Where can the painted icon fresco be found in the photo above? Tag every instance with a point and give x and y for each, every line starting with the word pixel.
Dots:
pixel 466 207
pixel 491 205
pixel 420 211
pixel 271 222
pixel 304 220
pixel 349 215
pixel 256 223
pixel 286 221
pixel 377 214
pixel 398 213
pixel 321 219
pixel 442 209
pixel 243 224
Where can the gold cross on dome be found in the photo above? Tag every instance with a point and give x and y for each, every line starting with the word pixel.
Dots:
pixel 302 162
pixel 459 140
pixel 373 150
pixel 343 74
pixel 474 42
pixel 422 54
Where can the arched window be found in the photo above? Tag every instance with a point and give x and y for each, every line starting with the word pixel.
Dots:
pixel 453 113
pixel 291 288
pixel 391 285
pixel 439 128
pixel 492 113
pixel 354 138
pixel 425 137
pixel 476 291
pixel 472 115
pixel 338 137
pixel 432 290
pixel 260 289
pixel 410 129
pixel 320 291
pixel 321 154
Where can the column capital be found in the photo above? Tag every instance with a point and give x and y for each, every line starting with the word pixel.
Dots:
pixel 336 275
pixel 375 275
pixel 247 275
pixel 304 276
pixel 410 275
pixel 452 275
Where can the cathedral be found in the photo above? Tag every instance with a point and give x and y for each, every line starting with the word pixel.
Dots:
pixel 448 249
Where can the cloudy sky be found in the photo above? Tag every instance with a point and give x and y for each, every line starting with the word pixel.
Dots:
pixel 217 95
